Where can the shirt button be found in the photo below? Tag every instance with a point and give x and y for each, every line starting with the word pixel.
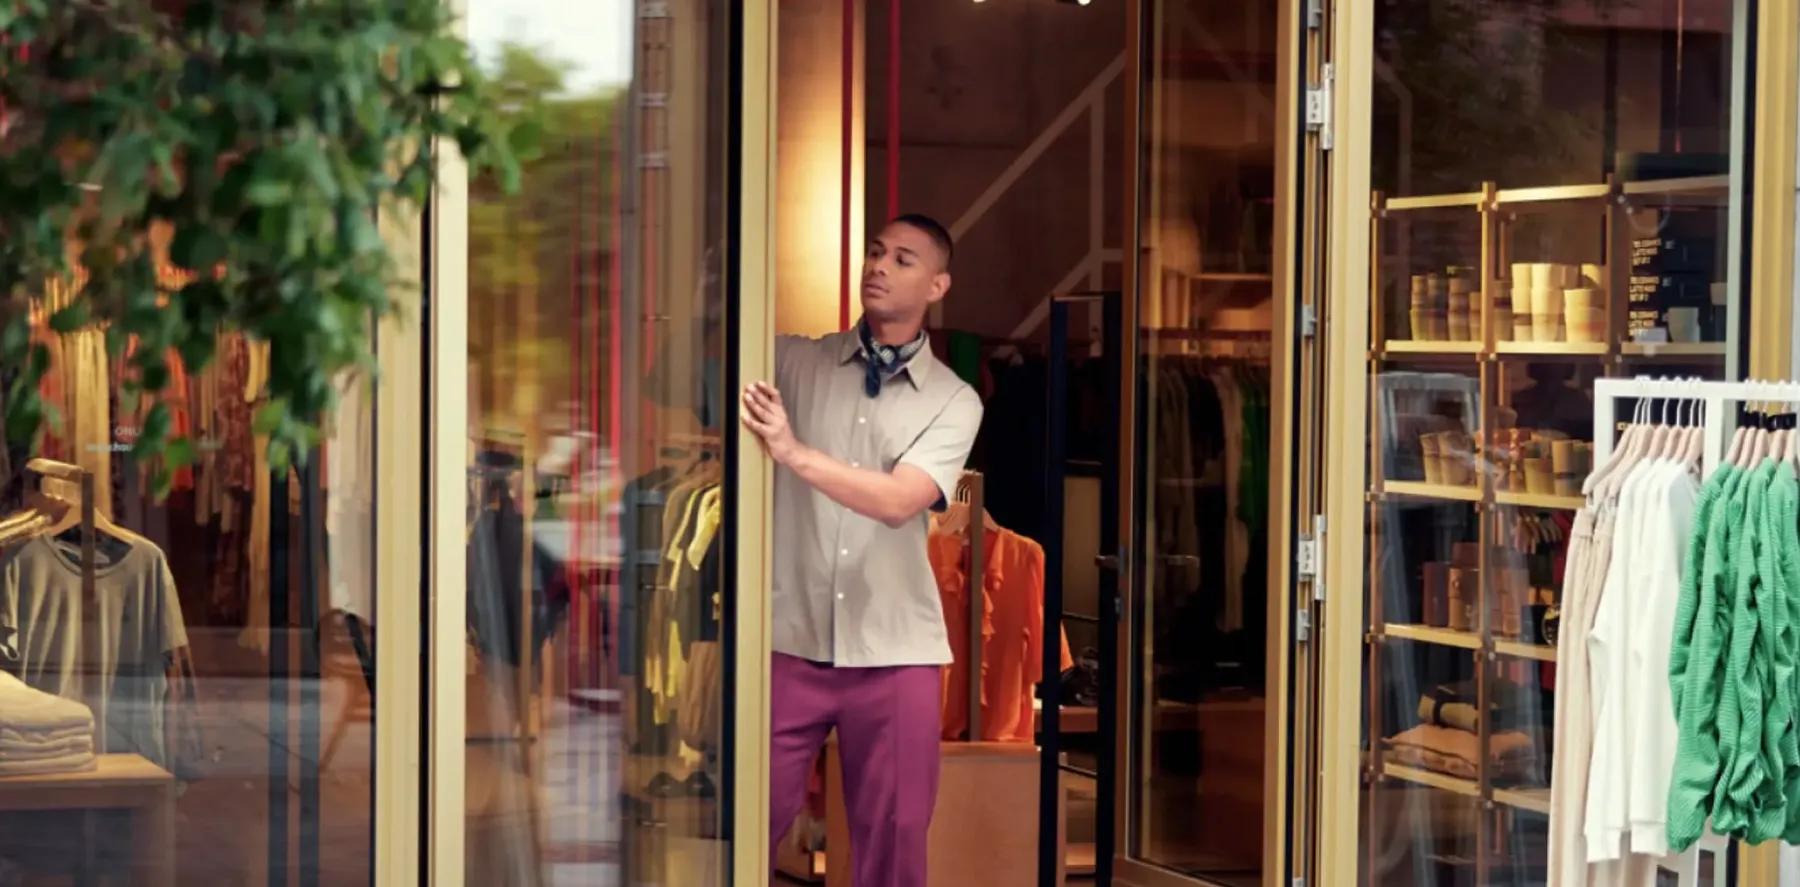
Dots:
pixel 840 595
pixel 845 552
pixel 856 465
pixel 862 420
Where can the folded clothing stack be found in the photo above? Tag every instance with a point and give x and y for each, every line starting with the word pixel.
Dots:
pixel 41 733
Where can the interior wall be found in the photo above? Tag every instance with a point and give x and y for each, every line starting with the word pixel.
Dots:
pixel 812 133
pixel 979 82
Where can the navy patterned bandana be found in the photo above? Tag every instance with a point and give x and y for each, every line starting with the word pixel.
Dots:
pixel 881 361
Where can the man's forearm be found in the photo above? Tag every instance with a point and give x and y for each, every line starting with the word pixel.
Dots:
pixel 871 493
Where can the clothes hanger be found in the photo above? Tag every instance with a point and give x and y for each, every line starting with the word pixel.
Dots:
pixel 1634 455
pixel 1597 478
pixel 1734 451
pixel 1759 441
pixel 1790 452
pixel 1661 434
pixel 1696 438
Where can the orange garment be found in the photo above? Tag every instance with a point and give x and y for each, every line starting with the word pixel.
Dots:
pixel 1012 633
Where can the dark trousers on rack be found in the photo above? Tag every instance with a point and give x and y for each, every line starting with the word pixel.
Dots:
pixel 887 722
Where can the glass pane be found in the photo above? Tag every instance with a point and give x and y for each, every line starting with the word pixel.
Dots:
pixel 223 672
pixel 595 684
pixel 1591 235
pixel 1206 302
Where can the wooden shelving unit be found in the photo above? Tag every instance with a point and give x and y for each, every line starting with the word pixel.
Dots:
pixel 1487 358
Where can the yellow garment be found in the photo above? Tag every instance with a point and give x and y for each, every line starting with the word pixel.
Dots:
pixel 710 515
pixel 255 635
pixel 667 666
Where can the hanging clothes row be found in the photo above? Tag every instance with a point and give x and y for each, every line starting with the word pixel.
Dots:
pixel 1614 750
pixel 1677 693
pixel 670 612
pixel 1211 427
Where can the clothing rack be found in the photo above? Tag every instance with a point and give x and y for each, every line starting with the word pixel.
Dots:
pixel 1716 399
pixel 971 484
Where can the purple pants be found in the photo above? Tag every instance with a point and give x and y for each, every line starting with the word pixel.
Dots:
pixel 887 724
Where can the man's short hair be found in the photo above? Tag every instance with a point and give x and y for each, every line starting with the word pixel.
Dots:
pixel 940 235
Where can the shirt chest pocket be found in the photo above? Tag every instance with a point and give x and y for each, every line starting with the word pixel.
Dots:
pixel 895 432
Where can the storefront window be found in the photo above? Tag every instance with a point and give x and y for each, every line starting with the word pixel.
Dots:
pixel 1559 193
pixel 176 668
pixel 596 480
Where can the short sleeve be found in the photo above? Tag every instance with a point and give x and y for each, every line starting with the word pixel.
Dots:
pixel 174 627
pixel 943 449
pixel 789 350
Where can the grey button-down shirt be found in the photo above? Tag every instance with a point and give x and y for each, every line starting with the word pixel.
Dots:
pixel 850 590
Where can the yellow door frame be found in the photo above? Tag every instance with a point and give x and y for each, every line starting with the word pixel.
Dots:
pixel 1771 279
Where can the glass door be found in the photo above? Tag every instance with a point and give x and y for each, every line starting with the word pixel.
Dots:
pixel 599 623
pixel 1210 625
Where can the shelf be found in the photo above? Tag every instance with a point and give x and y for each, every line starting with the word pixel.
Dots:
pixel 1422 490
pixel 1427 634
pixel 1594 349
pixel 1521 650
pixel 1539 500
pixel 1535 800
pixel 1516 196
pixel 1433 201
pixel 1235 278
pixel 1673 349
pixel 1416 346
pixel 1679 186
pixel 1418 776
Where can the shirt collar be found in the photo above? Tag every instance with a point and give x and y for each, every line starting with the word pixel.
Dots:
pixel 915 369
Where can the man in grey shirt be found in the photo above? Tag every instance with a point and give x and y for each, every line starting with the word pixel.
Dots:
pixel 869 432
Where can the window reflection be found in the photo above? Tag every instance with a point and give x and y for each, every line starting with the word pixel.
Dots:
pixel 594 474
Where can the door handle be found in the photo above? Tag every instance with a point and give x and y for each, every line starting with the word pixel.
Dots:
pixel 1179 560
pixel 1106 561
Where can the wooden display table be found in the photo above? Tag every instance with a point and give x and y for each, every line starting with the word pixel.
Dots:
pixel 985 827
pixel 118 782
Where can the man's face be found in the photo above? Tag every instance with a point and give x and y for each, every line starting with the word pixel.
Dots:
pixel 903 273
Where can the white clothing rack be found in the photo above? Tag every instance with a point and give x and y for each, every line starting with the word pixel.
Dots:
pixel 1716 400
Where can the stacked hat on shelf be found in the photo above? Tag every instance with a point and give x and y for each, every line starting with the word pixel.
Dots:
pixel 1444 307
pixel 1553 302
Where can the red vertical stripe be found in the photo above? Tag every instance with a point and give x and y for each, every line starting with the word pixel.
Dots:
pixel 893 109
pixel 848 144
pixel 615 344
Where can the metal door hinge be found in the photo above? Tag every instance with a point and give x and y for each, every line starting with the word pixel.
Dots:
pixel 653 9
pixel 1302 625
pixel 1306 558
pixel 1309 557
pixel 1299 882
pixel 1315 19
pixel 1318 107
pixel 1309 322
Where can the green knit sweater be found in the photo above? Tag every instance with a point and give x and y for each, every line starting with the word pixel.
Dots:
pixel 1748 801
pixel 1696 658
pixel 1782 516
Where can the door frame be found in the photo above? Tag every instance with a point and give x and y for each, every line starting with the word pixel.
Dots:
pixel 1285 846
pixel 427 752
pixel 1774 106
